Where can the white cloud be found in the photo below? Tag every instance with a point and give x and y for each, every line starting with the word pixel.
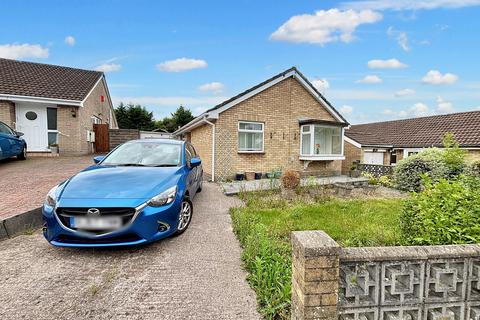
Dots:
pixel 386 64
pixel 409 4
pixel 417 110
pixel 420 110
pixel 108 67
pixel 370 79
pixel 181 64
pixel 444 106
pixel 436 78
pixel 70 40
pixel 19 51
pixel 400 36
pixel 321 84
pixel 404 92
pixel 346 109
pixel 324 26
pixel 215 87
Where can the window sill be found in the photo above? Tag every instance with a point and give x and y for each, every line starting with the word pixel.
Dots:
pixel 251 152
pixel 321 158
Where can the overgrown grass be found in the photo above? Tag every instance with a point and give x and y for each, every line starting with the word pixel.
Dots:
pixel 264 225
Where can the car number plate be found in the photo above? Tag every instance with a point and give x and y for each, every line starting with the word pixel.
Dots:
pixel 96 223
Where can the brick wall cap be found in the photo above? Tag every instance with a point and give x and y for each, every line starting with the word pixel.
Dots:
pixel 314 243
pixel 409 253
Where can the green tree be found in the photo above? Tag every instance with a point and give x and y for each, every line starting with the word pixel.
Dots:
pixel 177 119
pixel 130 116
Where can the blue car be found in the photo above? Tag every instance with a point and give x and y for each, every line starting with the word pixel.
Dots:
pixel 11 145
pixel 140 192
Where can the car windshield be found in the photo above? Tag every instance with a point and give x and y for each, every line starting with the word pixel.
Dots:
pixel 151 154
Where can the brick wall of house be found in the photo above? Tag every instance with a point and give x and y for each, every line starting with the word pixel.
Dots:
pixel 201 139
pixel 352 154
pixel 473 155
pixel 68 127
pixel 7 113
pixel 73 137
pixel 279 107
pixel 93 106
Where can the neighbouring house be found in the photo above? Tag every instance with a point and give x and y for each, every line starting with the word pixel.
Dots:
pixel 386 143
pixel 283 122
pixel 54 105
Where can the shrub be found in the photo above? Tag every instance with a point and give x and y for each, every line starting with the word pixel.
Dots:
pixel 371 178
pixel 407 173
pixel 386 181
pixel 453 156
pixel 290 179
pixel 447 212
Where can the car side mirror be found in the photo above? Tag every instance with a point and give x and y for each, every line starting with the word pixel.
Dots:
pixel 19 134
pixel 98 159
pixel 195 162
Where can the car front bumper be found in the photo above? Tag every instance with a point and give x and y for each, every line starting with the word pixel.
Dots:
pixel 148 225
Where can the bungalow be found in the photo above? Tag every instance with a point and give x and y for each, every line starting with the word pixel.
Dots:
pixel 386 143
pixel 283 122
pixel 54 105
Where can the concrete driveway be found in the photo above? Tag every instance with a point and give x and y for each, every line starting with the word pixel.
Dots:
pixel 24 184
pixel 196 275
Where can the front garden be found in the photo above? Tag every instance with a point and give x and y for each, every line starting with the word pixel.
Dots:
pixel 443 207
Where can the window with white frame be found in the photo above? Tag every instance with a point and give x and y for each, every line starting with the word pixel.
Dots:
pixel 321 140
pixel 250 136
pixel 52 126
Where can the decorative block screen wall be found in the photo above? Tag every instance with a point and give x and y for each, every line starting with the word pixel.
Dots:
pixel 386 283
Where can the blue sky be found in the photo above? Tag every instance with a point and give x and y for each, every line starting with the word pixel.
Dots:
pixel 374 60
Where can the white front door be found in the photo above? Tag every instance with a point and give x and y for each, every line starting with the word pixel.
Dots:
pixel 32 121
pixel 373 158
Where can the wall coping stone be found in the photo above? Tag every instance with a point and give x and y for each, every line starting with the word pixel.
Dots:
pixel 314 243
pixel 409 253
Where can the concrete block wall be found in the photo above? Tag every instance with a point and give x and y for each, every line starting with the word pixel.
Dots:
pixel 383 283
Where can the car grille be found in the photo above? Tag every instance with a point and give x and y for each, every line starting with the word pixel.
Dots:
pixel 64 214
pixel 77 240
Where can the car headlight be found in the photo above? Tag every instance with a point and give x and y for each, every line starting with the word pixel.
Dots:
pixel 51 198
pixel 166 197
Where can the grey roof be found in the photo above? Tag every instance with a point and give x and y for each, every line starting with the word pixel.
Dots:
pixel 420 132
pixel 46 81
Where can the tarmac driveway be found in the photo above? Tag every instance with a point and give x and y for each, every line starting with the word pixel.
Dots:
pixel 196 275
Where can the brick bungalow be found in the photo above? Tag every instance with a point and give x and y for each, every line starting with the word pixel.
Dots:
pixel 283 122
pixel 54 105
pixel 386 143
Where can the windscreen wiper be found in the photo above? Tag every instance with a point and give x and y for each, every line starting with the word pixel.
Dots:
pixel 165 165
pixel 130 165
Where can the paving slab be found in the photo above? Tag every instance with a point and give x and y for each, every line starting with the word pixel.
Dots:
pixel 197 275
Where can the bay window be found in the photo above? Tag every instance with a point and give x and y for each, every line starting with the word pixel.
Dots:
pixel 250 136
pixel 321 141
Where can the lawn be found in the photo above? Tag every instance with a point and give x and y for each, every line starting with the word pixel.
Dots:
pixel 264 225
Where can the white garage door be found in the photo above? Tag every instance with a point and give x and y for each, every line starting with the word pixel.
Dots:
pixel 373 158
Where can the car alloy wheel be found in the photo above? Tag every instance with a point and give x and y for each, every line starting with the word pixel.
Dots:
pixel 185 215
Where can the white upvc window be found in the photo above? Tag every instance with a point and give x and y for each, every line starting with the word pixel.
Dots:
pixel 250 136
pixel 321 142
